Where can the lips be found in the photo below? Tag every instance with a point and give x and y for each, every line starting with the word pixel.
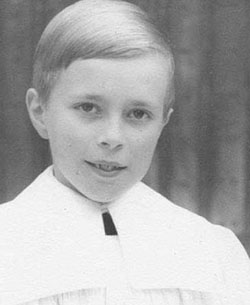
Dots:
pixel 106 166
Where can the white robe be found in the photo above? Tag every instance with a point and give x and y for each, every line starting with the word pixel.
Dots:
pixel 53 251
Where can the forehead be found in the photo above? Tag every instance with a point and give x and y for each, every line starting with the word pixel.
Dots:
pixel 144 75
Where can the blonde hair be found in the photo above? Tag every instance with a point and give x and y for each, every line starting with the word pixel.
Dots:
pixel 95 29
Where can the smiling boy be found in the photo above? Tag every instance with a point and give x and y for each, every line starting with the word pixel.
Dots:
pixel 103 119
pixel 102 93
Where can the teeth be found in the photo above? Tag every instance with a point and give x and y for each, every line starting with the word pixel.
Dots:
pixel 106 167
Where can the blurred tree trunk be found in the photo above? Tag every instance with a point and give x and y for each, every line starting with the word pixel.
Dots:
pixel 187 22
pixel 229 114
pixel 24 153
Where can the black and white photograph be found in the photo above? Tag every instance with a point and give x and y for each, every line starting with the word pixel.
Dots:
pixel 125 152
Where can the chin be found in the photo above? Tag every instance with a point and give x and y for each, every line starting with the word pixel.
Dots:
pixel 103 198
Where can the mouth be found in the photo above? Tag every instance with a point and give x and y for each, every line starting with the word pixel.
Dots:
pixel 105 166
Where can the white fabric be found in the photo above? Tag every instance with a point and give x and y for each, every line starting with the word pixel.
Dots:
pixel 53 251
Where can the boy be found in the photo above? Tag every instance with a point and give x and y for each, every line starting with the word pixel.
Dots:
pixel 102 93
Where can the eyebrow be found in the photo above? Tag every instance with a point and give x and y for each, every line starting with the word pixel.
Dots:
pixel 140 104
pixel 99 98
pixel 90 97
pixel 144 104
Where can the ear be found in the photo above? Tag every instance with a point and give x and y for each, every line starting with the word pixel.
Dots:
pixel 167 118
pixel 36 110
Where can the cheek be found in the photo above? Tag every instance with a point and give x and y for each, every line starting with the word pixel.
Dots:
pixel 62 141
pixel 61 147
pixel 144 145
pixel 62 132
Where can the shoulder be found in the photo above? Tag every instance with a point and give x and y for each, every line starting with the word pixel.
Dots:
pixel 44 195
pixel 187 225
pixel 177 215
pixel 222 242
pixel 196 243
pixel 153 214
pixel 233 258
pixel 30 210
pixel 27 201
pixel 175 246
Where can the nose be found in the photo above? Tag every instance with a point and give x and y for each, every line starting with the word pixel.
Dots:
pixel 111 136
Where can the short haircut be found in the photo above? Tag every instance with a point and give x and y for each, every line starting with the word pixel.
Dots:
pixel 104 29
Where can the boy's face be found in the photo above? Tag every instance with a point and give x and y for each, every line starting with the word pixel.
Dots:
pixel 103 120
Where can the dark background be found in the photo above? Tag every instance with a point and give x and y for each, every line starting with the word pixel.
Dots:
pixel 203 155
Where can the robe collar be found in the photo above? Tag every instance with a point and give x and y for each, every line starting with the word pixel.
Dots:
pixel 55 243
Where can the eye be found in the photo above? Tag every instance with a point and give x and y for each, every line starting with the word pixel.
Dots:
pixel 139 114
pixel 87 107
